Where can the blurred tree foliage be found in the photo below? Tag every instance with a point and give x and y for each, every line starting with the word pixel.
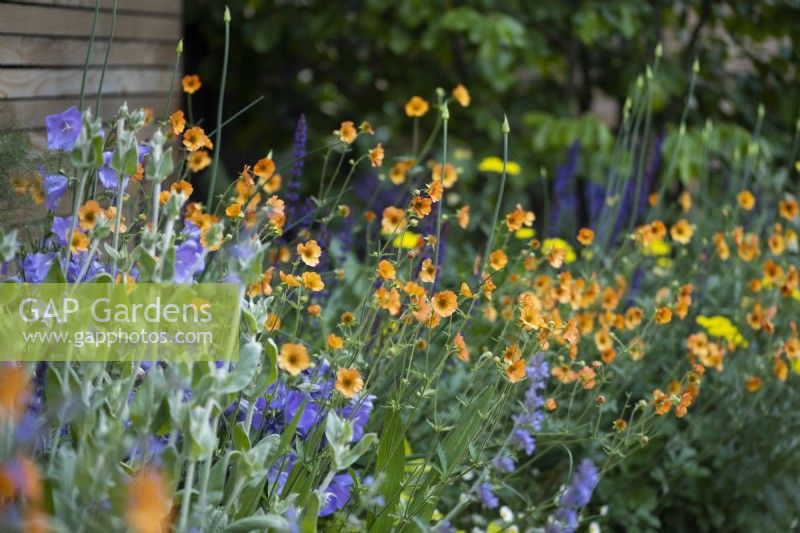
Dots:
pixel 561 69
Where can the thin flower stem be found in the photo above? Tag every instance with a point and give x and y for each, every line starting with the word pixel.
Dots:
pixel 105 60
pixel 89 53
pixel 220 102
pixel 499 201
pixel 178 52
pixel 187 496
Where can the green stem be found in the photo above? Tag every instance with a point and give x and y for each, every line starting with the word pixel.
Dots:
pixel 499 202
pixel 105 61
pixel 172 81
pixel 89 52
pixel 187 496
pixel 221 101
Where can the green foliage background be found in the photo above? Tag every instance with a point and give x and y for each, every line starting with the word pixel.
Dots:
pixel 542 63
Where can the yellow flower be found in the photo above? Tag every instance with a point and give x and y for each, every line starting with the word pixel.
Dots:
pixel 407 240
pixel 524 233
pixel 495 164
pixel 656 248
pixel 720 326
pixel 559 244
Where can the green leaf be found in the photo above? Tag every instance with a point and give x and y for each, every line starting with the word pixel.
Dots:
pixel 390 466
pixel 267 522
pixel 308 518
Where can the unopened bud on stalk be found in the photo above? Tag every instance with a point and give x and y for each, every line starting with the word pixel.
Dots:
pixel 179 48
pixel 226 18
pixel 659 50
pixel 445 112
pixel 506 128
pixel 696 66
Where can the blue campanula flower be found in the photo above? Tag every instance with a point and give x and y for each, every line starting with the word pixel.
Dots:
pixel 338 493
pixel 60 228
pixel 54 185
pixel 63 129
pixel 188 261
pixel 36 266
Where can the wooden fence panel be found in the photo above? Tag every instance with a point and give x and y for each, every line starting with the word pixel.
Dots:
pixel 43 47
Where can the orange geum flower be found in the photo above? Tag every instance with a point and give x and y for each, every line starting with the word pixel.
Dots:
pixel 191 83
pixel 416 107
pixel 682 231
pixel 177 122
pixel 753 384
pixel 587 376
pixel 519 218
pixel 394 219
pixel 461 94
pixel 293 358
pixel 80 242
pixel 347 132
pixel 386 270
pixel 195 138
pixel 264 168
pixel 788 209
pixel 663 315
pixel 421 206
pixel 463 217
pixel 398 172
pixel 685 200
pixel 233 210
pixel 272 322
pixel 14 390
pixel 450 174
pixel 428 271
pixel 435 190
pixel 312 281
pixel 182 187
pixel 516 371
pixel 444 303
pixel 348 382
pixel 620 425
pixel 585 236
pixel 347 318
pixel 466 292
pixel 498 259
pixel 746 199
pixel 334 341
pixel 198 160
pixel 309 252
pixel 149 501
pixel 661 402
pixel 388 300
pixel 89 213
pixel 461 348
